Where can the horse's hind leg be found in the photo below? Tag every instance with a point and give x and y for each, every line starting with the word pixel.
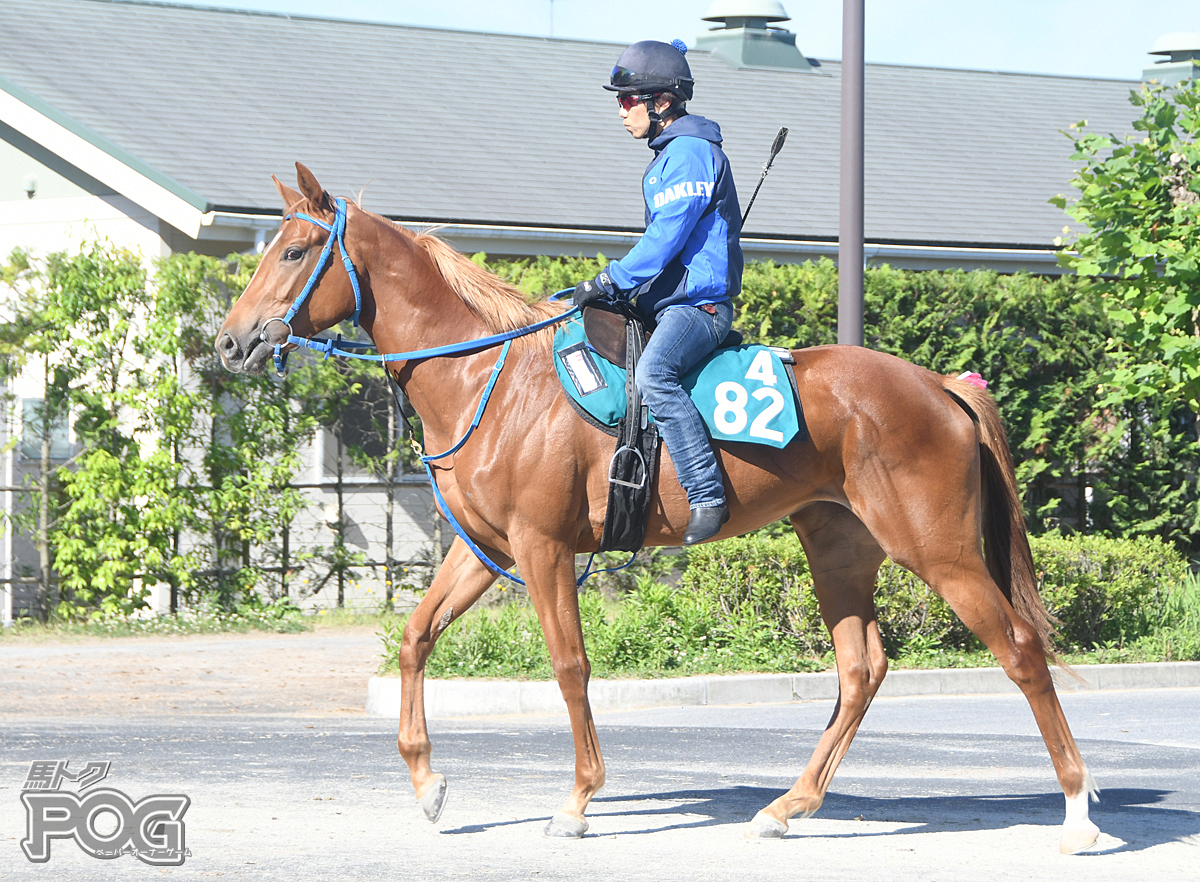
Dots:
pixel 461 580
pixel 934 531
pixel 844 559
pixel 978 601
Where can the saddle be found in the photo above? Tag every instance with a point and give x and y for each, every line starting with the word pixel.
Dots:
pixel 596 360
pixel 618 333
pixel 605 323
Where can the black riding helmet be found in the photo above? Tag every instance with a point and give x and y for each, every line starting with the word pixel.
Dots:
pixel 649 68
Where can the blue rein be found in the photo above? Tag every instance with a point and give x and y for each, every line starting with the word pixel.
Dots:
pixel 352 349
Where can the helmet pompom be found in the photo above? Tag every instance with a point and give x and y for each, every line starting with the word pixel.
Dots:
pixel 680 45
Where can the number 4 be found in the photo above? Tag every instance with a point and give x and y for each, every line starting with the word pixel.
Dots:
pixel 762 369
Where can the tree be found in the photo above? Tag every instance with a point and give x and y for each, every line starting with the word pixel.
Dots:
pixel 30 333
pixel 239 436
pixel 184 473
pixel 105 516
pixel 1139 199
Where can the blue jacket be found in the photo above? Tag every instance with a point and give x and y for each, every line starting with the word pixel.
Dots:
pixel 691 252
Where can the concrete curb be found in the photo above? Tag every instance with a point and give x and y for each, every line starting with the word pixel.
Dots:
pixel 485 698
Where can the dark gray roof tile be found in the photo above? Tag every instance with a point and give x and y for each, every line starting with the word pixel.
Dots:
pixel 516 130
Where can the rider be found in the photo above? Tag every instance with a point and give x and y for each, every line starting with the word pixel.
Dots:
pixel 686 266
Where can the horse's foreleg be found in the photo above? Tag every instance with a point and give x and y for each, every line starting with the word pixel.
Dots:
pixel 550 574
pixel 461 580
pixel 844 560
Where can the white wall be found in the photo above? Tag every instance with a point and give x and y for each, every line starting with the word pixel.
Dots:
pixel 48 225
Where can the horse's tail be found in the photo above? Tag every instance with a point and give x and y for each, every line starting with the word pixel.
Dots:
pixel 1005 542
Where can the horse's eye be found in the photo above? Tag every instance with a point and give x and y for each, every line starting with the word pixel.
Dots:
pixel 293 254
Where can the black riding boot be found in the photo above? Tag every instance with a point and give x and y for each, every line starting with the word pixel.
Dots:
pixel 705 523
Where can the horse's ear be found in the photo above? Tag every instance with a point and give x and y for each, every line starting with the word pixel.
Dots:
pixel 317 197
pixel 289 196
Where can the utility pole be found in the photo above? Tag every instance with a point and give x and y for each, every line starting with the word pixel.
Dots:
pixel 850 216
pixel 45 599
pixel 341 517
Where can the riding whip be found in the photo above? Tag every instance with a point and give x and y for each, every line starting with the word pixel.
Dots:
pixel 776 146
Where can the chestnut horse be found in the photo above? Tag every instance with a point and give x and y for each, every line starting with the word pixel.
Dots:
pixel 900 462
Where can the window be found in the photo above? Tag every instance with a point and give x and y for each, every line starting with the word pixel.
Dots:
pixel 364 417
pixel 32 427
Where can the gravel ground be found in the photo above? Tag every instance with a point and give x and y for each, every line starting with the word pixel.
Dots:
pixel 312 673
pixel 288 779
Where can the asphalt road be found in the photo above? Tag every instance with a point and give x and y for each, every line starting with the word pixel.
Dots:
pixel 939 788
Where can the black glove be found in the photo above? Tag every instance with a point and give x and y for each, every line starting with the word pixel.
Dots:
pixel 594 289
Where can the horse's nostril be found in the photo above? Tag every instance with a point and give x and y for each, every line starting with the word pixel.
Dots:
pixel 227 346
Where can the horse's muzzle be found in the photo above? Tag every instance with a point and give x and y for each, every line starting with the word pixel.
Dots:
pixel 240 358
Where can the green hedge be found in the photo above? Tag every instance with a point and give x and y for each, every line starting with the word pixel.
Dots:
pixel 767 577
pixel 1107 591
pixel 747 605
pixel 1102 591
pixel 655 629
pixel 1043 345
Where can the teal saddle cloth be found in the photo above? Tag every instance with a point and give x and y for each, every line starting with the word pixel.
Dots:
pixel 743 393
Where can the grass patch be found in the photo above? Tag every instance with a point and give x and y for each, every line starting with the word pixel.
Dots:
pixel 279 617
pixel 334 619
pixel 661 631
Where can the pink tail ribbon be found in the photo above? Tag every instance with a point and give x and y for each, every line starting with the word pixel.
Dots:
pixel 973 378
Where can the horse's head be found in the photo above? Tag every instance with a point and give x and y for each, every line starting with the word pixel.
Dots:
pixel 257 321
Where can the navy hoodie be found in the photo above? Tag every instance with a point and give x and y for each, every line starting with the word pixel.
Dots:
pixel 690 254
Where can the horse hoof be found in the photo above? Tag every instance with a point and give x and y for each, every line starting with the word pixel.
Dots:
pixel 564 826
pixel 765 827
pixel 1078 837
pixel 434 799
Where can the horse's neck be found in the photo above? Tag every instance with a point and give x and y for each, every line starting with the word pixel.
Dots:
pixel 415 309
pixel 445 393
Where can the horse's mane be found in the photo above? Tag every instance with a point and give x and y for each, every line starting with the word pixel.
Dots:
pixel 501 305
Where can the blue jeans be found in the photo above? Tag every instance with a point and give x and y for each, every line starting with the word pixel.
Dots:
pixel 684 336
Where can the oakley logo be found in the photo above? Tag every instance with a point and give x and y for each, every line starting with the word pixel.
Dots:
pixel 687 190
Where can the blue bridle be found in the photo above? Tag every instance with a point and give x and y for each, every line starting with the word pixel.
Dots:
pixel 352 348
pixel 349 349
pixel 337 233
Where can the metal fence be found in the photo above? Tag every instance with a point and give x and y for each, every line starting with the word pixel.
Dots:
pixel 390 531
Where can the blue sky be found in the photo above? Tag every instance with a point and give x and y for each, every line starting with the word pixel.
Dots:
pixel 1092 38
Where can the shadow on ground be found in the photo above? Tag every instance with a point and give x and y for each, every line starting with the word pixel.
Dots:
pixel 1130 815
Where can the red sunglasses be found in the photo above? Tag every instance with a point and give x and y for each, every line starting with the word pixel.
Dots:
pixel 628 102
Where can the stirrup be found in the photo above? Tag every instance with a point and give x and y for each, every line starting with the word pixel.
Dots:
pixel 612 468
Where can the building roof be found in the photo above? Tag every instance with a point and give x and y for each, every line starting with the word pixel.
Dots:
pixel 472 128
